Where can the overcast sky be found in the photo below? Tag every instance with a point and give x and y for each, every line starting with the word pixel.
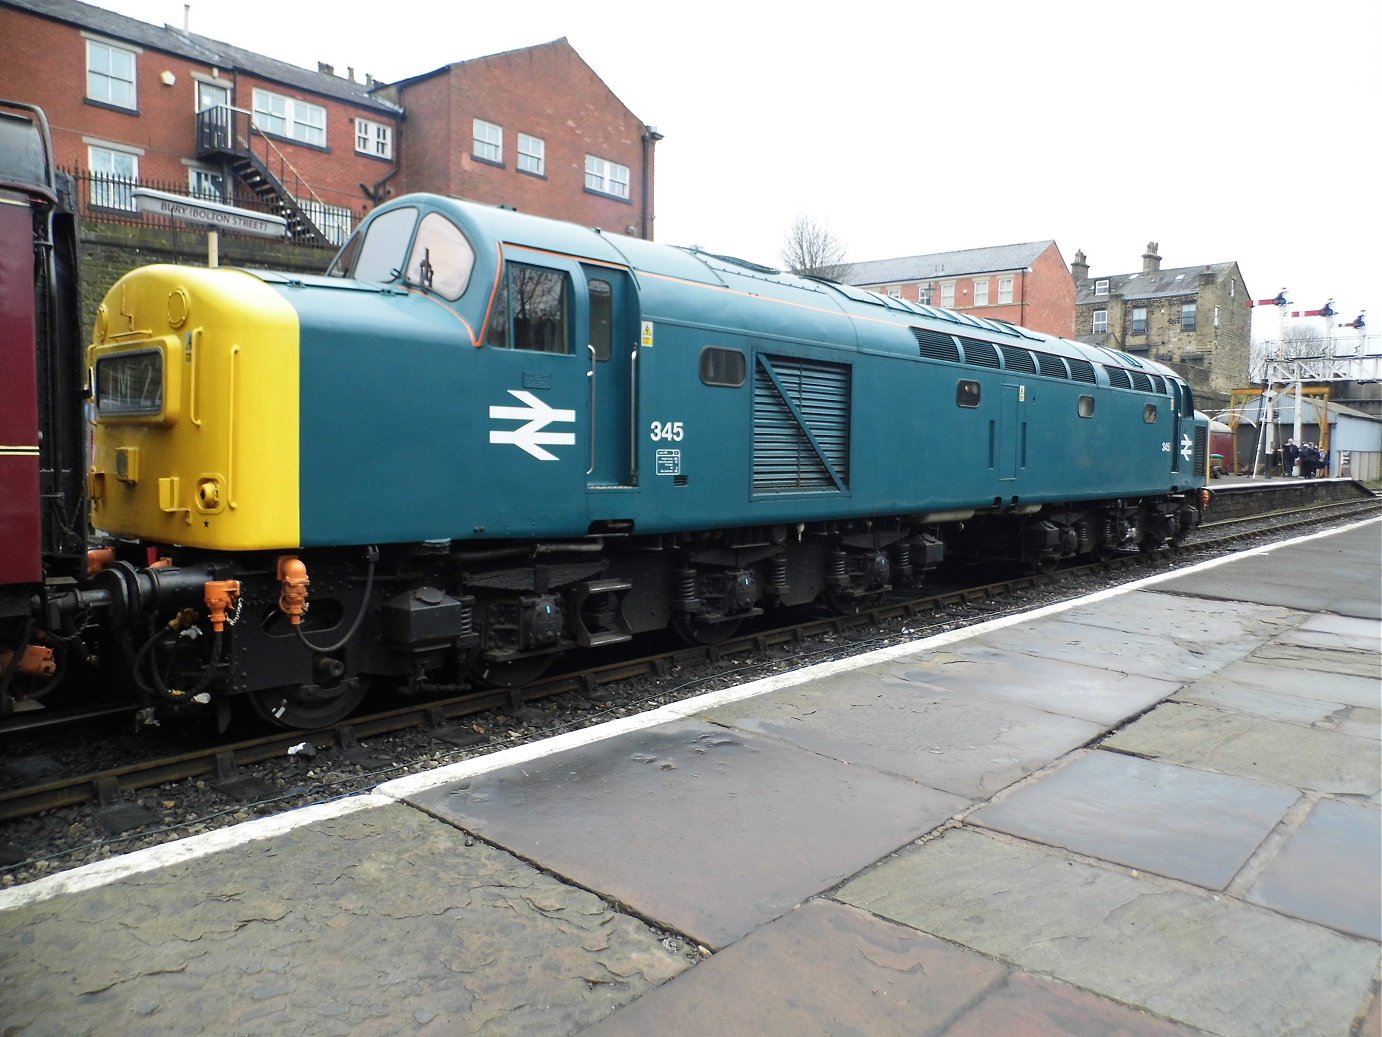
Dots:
pixel 1224 130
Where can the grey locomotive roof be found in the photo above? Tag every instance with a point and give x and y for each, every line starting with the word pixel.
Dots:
pixel 202 49
pixel 940 265
pixel 1154 284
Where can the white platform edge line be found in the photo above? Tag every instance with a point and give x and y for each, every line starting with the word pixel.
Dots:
pixel 100 873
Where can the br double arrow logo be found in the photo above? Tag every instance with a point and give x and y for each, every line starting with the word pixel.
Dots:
pixel 530 436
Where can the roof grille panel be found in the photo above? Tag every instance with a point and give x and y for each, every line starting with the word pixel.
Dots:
pixel 1141 382
pixel 1118 378
pixel 1081 370
pixel 1052 366
pixel 980 354
pixel 937 346
pixel 1015 359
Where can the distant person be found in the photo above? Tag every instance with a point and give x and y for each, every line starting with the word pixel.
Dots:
pixel 1292 454
pixel 1278 462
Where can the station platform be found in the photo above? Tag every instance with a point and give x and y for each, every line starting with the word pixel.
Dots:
pixel 1152 811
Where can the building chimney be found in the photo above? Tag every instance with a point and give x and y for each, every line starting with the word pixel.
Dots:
pixel 350 73
pixel 325 69
pixel 1079 269
pixel 1151 262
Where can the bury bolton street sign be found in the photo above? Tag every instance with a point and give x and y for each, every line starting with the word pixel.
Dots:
pixel 209 214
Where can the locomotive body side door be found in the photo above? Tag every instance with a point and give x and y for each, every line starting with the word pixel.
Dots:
pixel 611 357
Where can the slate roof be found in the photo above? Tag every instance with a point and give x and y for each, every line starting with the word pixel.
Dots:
pixel 201 49
pixel 941 265
pixel 1156 284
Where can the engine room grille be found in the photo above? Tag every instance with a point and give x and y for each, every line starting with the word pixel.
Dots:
pixel 1140 381
pixel 1118 378
pixel 980 354
pixel 935 346
pixel 1051 366
pixel 1018 359
pixel 1081 370
pixel 801 415
pixel 1201 453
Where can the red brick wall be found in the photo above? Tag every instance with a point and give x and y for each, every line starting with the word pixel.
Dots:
pixel 45 64
pixel 547 92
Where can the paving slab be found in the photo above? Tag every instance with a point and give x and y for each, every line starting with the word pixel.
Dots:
pixel 1336 703
pixel 384 921
pixel 1330 870
pixel 1189 620
pixel 1335 573
pixel 1325 761
pixel 1037 1006
pixel 1186 824
pixel 1074 689
pixel 708 831
pixel 964 744
pixel 1201 959
pixel 1315 661
pixel 1168 655
pixel 823 969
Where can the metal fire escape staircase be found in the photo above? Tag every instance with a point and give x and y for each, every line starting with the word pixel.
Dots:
pixel 228 135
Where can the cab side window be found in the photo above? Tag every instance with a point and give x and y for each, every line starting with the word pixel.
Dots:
pixel 532 310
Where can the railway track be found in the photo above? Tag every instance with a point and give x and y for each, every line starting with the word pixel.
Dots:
pixel 465 725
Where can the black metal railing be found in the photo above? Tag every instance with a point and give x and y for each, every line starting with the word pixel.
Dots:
pixel 104 198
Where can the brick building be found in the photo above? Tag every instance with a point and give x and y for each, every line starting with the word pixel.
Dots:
pixel 1026 284
pixel 131 102
pixel 1194 319
pixel 534 129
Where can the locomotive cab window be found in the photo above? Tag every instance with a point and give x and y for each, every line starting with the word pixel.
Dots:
pixel 725 367
pixel 1086 408
pixel 967 393
pixel 380 255
pixel 531 310
pixel 1149 413
pixel 130 384
pixel 442 258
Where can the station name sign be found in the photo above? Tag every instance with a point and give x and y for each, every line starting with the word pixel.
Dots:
pixel 209 214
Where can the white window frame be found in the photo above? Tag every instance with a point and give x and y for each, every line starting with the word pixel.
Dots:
pixel 606 177
pixel 112 85
pixel 204 182
pixel 981 291
pixel 532 154
pixel 1101 287
pixel 948 295
pixel 487 143
pixel 373 138
pixel 285 116
pixel 118 171
pixel 1100 323
pixel 200 84
pixel 1005 290
pixel 924 293
pixel 1192 310
pixel 1133 328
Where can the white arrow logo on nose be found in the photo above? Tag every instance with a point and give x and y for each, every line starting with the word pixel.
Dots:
pixel 1187 447
pixel 529 437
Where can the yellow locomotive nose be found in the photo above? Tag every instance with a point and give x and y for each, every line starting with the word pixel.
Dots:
pixel 195 383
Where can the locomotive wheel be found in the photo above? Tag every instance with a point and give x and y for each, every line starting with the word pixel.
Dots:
pixel 700 633
pixel 512 674
pixel 288 708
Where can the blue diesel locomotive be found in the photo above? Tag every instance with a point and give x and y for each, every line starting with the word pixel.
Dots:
pixel 484 438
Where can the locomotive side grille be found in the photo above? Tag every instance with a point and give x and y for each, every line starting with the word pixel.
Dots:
pixel 1159 384
pixel 1052 366
pixel 1081 370
pixel 1140 381
pixel 980 354
pixel 801 416
pixel 935 346
pixel 1118 378
pixel 1018 359
pixel 1201 452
